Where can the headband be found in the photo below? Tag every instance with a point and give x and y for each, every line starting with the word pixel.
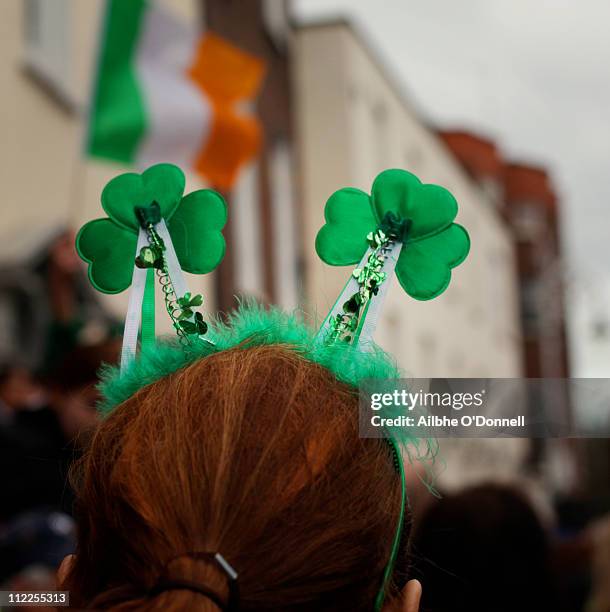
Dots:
pixel 403 227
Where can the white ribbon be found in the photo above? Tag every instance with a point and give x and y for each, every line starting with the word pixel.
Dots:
pixel 174 271
pixel 138 284
pixel 350 288
pixel 372 314
pixel 134 308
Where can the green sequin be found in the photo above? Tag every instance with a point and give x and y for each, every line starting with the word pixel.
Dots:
pixel 186 304
pixel 344 325
pixel 196 327
pixel 149 257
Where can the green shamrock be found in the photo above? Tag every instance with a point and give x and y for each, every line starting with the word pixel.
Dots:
pixel 186 304
pixel 419 215
pixel 194 221
pixel 196 327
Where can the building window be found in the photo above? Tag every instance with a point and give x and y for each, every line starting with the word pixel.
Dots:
pixel 47 46
pixel 246 217
pixel 528 221
pixel 381 136
pixel 389 332
pixel 413 159
pixel 283 203
pixel 275 18
pixel 492 189
pixel 530 306
pixel 363 134
pixel 456 360
pixel 428 354
pixel 498 279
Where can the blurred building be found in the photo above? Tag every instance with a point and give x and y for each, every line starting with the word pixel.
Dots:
pixel 265 253
pixel 353 123
pixel 525 197
pixel 482 161
pixel 46 52
pixel 531 209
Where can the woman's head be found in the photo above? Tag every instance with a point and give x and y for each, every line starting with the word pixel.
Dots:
pixel 253 453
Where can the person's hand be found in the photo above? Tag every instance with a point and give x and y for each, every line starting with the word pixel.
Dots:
pixel 409 599
pixel 76 412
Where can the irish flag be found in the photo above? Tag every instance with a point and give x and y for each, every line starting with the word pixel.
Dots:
pixel 166 93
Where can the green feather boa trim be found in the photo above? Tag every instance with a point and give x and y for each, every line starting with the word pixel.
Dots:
pixel 254 325
pixel 250 325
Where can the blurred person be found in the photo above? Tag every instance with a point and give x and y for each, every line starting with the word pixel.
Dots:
pixel 66 292
pixel 72 385
pixel 20 393
pixel 41 439
pixel 36 578
pixel 49 307
pixel 572 550
pixel 18 390
pixel 32 546
pixel 599 536
pixel 483 549
pixel 252 453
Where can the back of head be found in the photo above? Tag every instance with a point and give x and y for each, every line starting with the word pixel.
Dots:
pixel 253 453
pixel 483 549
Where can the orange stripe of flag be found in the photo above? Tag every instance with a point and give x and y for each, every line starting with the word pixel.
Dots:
pixel 227 75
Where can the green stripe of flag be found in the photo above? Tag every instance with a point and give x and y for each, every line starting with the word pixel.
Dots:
pixel 118 118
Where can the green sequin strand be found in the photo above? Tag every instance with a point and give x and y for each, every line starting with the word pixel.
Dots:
pixel 345 325
pixel 185 320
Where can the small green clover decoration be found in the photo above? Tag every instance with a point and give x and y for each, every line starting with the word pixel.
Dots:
pixel 196 327
pixel 150 257
pixel 194 222
pixel 148 206
pixel 400 208
pixel 186 304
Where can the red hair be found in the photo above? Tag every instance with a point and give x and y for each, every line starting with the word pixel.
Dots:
pixel 253 453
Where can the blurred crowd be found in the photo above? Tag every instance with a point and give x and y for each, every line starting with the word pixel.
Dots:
pixel 484 548
pixel 490 547
pixel 55 337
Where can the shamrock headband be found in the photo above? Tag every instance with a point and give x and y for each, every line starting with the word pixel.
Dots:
pixel 153 228
pixel 403 226
pixel 406 227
